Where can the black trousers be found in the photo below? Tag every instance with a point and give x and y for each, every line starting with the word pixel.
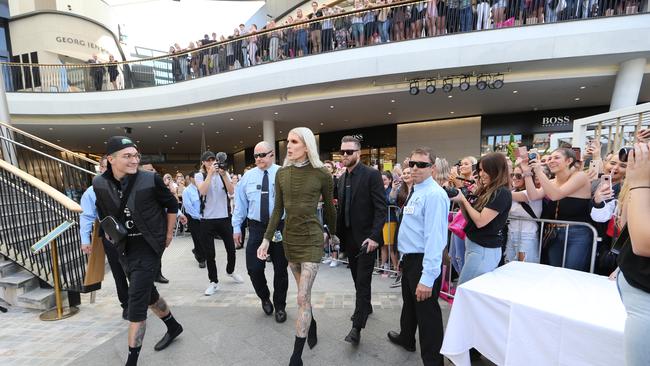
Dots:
pixel 361 269
pixel 121 285
pixel 326 39
pixel 423 316
pixel 210 228
pixel 256 267
pixel 141 264
pixel 98 79
pixel 195 230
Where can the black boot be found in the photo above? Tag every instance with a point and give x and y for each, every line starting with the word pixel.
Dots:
pixel 312 338
pixel 296 356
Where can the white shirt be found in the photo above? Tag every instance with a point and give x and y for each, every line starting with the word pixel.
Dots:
pixel 216 200
pixel 524 226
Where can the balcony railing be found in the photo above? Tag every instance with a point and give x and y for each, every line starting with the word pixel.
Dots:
pixel 336 30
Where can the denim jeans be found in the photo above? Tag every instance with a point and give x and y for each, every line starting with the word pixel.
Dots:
pixel 383 30
pixel 478 260
pixel 457 253
pixel 527 243
pixel 578 251
pixel 637 323
pixel 302 41
pixel 466 19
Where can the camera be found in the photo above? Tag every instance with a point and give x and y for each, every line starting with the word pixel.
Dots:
pixel 220 160
pixel 451 191
pixel 624 153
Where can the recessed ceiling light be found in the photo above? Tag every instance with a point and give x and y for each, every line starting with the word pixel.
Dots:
pixel 172 148
pixel 148 126
pixel 103 128
pixel 583 87
pixel 105 142
pixel 60 141
pixel 176 142
pixel 259 135
pixel 90 147
pixel 276 113
pixel 138 141
pixel 217 132
pixel 232 119
pixel 51 128
pixel 241 142
pixel 389 113
pixel 515 92
pixel 450 96
pixel 451 112
pixel 164 135
pixel 331 107
pixel 321 123
pixel 191 123
pixel 392 100
pixel 250 127
pixel 576 99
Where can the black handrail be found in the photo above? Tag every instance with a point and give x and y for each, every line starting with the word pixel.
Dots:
pixel 358 28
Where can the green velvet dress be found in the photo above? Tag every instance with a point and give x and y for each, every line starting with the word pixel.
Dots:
pixel 297 193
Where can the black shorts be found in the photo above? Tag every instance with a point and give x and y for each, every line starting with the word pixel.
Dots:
pixel 141 265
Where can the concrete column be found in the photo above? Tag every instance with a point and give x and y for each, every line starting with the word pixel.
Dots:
pixel 268 131
pixel 628 84
pixel 8 149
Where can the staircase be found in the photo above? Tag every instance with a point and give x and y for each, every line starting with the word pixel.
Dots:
pixel 32 205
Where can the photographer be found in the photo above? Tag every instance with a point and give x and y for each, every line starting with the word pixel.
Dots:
pixel 634 259
pixel 486 218
pixel 214 186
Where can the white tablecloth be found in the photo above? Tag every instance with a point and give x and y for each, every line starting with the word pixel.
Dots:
pixel 525 314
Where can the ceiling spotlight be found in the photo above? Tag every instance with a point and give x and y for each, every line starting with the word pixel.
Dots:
pixel 497 82
pixel 414 88
pixel 431 86
pixel 481 82
pixel 447 85
pixel 464 83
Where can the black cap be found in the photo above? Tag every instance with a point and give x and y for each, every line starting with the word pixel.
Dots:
pixel 207 156
pixel 117 143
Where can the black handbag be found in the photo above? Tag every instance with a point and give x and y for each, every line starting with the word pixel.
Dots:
pixel 608 256
pixel 113 227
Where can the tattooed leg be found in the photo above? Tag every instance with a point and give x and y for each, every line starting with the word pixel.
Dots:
pixel 160 308
pixel 308 273
pixel 295 269
pixel 136 333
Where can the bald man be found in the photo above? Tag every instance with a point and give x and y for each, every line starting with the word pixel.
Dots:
pixel 254 199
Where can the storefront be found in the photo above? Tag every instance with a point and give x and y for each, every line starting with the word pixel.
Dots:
pixel 378 145
pixel 543 130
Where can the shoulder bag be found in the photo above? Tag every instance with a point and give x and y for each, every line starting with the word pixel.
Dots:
pixel 550 230
pixel 111 225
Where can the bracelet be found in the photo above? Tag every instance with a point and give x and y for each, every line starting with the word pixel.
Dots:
pixel 639 187
pixel 527 174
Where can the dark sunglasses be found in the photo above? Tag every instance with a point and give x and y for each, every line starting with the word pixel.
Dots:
pixel 348 152
pixel 516 176
pixel 419 164
pixel 262 155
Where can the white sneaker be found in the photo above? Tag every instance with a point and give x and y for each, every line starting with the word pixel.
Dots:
pixel 326 261
pixel 212 289
pixel 334 263
pixel 237 278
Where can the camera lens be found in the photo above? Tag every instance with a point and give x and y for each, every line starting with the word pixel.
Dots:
pixel 623 153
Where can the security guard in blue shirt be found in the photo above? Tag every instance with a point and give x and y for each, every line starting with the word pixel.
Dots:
pixel 254 199
pixel 192 206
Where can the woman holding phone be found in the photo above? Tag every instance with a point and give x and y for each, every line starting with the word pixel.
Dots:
pixel 299 185
pixel 569 195
pixel 486 217
pixel 461 177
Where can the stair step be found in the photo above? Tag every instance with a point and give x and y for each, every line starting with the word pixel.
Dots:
pixel 7 268
pixel 19 279
pixel 39 298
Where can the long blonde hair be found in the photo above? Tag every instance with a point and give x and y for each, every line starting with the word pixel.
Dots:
pixel 307 137
pixel 621 209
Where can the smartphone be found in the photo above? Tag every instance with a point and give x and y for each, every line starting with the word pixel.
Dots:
pixel 607 179
pixel 578 152
pixel 533 154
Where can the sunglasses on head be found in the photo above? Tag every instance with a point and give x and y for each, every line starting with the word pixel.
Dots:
pixel 419 164
pixel 348 152
pixel 261 155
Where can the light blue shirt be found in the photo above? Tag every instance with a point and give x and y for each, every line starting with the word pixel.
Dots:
pixel 88 215
pixel 424 227
pixel 192 202
pixel 248 196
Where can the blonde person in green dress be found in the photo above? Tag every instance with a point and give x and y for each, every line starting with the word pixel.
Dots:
pixel 299 184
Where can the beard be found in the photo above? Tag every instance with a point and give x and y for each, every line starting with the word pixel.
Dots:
pixel 351 162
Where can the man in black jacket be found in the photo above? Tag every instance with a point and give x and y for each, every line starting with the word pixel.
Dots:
pixel 144 206
pixel 361 215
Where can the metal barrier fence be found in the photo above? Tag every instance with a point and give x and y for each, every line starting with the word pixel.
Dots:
pixel 338 29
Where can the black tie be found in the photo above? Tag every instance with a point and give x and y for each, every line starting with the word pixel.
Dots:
pixel 348 198
pixel 264 205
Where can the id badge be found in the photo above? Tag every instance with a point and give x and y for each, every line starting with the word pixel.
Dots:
pixel 409 210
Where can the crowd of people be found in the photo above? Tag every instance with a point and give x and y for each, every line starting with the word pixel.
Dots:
pixel 371 22
pixel 403 217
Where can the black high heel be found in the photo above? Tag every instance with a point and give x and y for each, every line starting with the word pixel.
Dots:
pixel 295 361
pixel 312 338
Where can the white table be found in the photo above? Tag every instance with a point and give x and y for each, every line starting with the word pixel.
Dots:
pixel 525 314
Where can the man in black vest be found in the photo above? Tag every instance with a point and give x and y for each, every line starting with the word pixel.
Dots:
pixel 361 215
pixel 140 201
